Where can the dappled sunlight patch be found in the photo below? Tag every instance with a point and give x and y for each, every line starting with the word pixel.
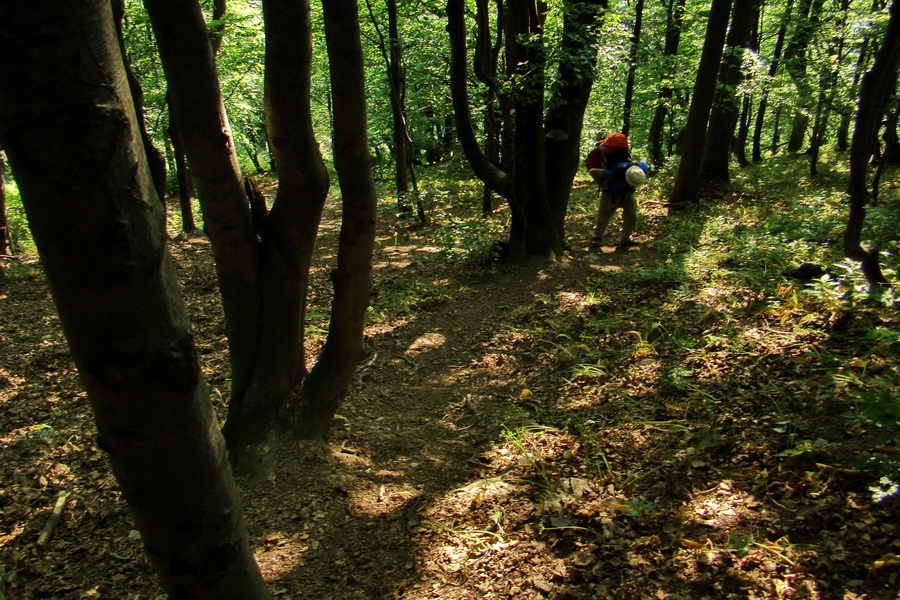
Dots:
pixel 721 507
pixel 426 342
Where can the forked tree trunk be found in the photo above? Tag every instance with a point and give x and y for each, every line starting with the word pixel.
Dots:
pixel 75 148
pixel 327 384
pixel 876 85
pixel 287 238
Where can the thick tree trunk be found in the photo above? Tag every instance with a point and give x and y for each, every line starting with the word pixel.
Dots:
pixel 287 235
pixel 68 124
pixel 570 93
pixel 876 85
pixel 687 180
pixel 189 65
pixel 327 384
pixel 724 116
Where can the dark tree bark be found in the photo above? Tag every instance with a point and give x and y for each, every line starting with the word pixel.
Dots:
pixel 499 181
pixel 327 384
pixel 193 87
pixel 65 89
pixel 392 53
pixel 487 55
pixel 674 20
pixel 5 247
pixel 155 159
pixel 724 116
pixel 570 92
pixel 185 185
pixel 687 180
pixel 540 155
pixel 756 152
pixel 796 58
pixel 632 66
pixel 876 86
pixel 287 237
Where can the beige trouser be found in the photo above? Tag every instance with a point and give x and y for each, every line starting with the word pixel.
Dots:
pixel 608 206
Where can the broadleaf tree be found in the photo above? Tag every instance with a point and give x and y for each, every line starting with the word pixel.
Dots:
pixel 72 135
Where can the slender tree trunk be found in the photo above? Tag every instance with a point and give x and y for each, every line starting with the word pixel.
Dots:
pixel 5 247
pixel 773 70
pixel 185 185
pixel 155 159
pixel 632 66
pixel 796 57
pixel 674 19
pixel 687 180
pixel 327 384
pixel 189 65
pixel 843 132
pixel 874 90
pixel 118 296
pixel 398 89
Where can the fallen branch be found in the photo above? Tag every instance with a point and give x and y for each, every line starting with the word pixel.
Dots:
pixel 53 521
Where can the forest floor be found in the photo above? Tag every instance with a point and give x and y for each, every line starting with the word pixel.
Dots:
pixel 666 422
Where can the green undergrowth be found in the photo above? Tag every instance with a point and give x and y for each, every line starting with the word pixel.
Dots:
pixel 706 338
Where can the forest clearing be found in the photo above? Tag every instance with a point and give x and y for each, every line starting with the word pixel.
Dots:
pixel 689 419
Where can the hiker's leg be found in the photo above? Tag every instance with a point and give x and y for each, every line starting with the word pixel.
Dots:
pixel 604 216
pixel 629 217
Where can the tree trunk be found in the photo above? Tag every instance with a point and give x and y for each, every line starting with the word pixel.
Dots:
pixel 876 85
pixel 796 58
pixel 118 296
pixel 488 172
pixel 724 116
pixel 632 66
pixel 5 247
pixel 674 20
pixel 185 185
pixel 189 65
pixel 773 70
pixel 398 89
pixel 287 238
pixel 570 92
pixel 155 159
pixel 327 384
pixel 687 180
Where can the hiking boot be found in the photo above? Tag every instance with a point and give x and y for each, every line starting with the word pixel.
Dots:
pixel 628 244
pixel 596 243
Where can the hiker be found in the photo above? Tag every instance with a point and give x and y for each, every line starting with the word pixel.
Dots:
pixel 609 165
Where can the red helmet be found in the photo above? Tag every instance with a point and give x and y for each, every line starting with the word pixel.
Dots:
pixel 614 141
